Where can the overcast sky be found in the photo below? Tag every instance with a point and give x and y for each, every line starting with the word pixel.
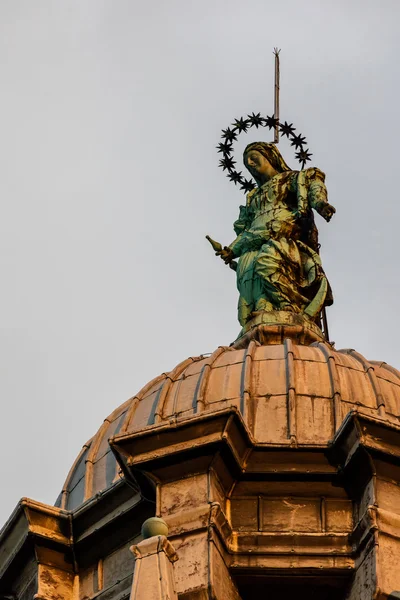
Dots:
pixel 110 111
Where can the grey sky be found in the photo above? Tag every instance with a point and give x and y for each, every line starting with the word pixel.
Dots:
pixel 110 113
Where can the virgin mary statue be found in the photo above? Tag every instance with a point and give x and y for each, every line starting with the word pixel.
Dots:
pixel 279 266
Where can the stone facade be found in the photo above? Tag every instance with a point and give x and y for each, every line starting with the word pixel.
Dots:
pixel 276 467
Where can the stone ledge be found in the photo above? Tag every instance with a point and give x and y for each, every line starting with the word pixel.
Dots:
pixel 273 327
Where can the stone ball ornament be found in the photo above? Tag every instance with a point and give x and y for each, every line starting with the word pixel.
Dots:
pixel 154 526
pixel 230 135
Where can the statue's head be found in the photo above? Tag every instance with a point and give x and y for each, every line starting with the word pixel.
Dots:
pixel 263 161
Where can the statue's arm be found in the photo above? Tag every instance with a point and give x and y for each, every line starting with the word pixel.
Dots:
pixel 244 220
pixel 237 247
pixel 239 226
pixel 318 194
pixel 246 240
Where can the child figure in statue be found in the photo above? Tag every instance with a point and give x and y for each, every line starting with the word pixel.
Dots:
pixel 279 267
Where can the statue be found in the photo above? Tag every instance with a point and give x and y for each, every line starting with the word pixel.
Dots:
pixel 279 267
pixel 279 272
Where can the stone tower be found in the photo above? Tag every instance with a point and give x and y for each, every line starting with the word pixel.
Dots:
pixel 275 465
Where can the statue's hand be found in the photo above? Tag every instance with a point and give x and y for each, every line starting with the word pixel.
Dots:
pixel 226 254
pixel 326 211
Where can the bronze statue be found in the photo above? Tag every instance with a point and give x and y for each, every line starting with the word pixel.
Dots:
pixel 279 267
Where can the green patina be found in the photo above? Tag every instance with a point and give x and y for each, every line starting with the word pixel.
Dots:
pixel 279 267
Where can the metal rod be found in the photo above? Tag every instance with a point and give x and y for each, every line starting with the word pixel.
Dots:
pixel 325 324
pixel 277 89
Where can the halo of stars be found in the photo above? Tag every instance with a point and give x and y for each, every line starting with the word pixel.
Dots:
pixel 230 135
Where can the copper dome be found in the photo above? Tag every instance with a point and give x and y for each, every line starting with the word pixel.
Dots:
pixel 287 393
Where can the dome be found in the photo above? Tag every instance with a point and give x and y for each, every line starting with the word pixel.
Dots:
pixel 288 394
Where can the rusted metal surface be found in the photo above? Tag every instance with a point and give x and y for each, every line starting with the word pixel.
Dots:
pixel 274 462
pixel 221 503
pixel 298 397
pixel 367 450
pixel 276 94
pixel 296 514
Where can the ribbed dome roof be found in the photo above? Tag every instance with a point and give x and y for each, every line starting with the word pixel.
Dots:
pixel 287 393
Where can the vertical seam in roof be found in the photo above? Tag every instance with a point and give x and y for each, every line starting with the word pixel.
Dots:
pixel 202 383
pixel 335 384
pixel 172 377
pixel 155 416
pixel 90 459
pixel 291 390
pixel 123 408
pixel 135 399
pixel 370 371
pixel 65 490
pixel 245 381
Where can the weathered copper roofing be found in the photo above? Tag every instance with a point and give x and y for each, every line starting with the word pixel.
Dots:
pixel 288 394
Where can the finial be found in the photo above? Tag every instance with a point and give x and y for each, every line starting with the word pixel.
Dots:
pixel 154 526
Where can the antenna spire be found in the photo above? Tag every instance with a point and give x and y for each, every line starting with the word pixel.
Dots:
pixel 277 89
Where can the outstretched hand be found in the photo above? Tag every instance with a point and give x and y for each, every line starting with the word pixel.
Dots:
pixel 226 254
pixel 327 211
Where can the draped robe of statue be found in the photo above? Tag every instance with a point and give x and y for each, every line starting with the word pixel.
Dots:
pixel 279 267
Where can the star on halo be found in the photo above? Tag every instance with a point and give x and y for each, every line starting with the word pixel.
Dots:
pixel 287 128
pixel 303 156
pixel 255 120
pixel 298 141
pixel 241 125
pixel 225 147
pixel 235 176
pixel 227 163
pixel 229 135
pixel 247 185
pixel 270 122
